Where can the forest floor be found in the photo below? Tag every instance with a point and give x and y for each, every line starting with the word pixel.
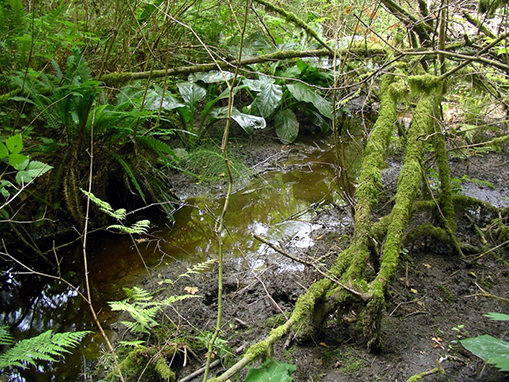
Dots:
pixel 436 299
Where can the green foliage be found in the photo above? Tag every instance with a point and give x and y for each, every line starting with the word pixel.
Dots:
pixel 271 371
pixel 26 170
pixel 207 163
pixel 105 207
pixel 44 347
pixel 488 348
pixel 143 308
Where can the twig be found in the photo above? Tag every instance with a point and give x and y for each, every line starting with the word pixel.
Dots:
pixel 198 372
pixel 363 296
pixel 490 250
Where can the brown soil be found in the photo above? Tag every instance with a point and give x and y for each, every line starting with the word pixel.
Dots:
pixel 436 299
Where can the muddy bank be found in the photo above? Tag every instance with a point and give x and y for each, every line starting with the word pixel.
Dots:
pixel 436 300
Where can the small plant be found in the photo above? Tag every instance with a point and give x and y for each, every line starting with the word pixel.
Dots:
pixel 490 349
pixel 271 371
pixel 460 331
pixel 26 170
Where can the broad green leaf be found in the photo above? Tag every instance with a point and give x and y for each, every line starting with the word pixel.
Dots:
pixel 490 349
pixel 169 102
pixel 15 143
pixel 248 122
pixel 33 170
pixel 287 126
pixel 18 161
pixel 253 85
pixel 271 371
pixel 317 120
pixel 269 98
pixel 191 93
pixel 305 93
pixel 4 152
pixel 212 76
pixel 4 192
pixel 497 316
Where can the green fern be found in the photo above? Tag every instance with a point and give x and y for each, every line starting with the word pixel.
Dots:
pixel 199 268
pixel 105 207
pixel 128 170
pixel 143 308
pixel 44 347
pixel 6 337
pixel 140 227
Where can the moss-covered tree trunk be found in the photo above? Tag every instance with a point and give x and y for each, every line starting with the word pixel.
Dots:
pixel 348 287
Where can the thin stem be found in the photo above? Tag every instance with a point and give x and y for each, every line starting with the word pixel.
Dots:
pixel 88 298
pixel 220 222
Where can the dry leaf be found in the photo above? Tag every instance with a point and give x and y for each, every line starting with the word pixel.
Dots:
pixel 191 290
pixel 427 265
pixel 323 344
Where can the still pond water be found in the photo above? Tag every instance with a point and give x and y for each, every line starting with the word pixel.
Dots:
pixel 279 205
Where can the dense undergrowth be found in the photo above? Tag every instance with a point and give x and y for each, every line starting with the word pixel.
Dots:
pixel 118 98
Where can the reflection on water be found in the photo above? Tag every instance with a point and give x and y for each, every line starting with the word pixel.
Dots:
pixel 279 205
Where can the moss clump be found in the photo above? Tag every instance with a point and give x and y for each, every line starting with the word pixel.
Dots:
pixel 425 84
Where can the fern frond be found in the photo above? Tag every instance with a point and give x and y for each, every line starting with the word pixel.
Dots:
pixel 199 268
pixel 140 227
pixel 142 313
pixel 138 294
pixel 129 171
pixel 44 347
pixel 6 337
pixel 105 207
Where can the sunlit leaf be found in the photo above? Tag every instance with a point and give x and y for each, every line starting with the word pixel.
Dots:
pixel 306 93
pixel 212 76
pixel 269 98
pixel 4 152
pixel 490 349
pixel 18 161
pixel 497 316
pixel 33 170
pixel 271 371
pixel 14 143
pixel 191 93
pixel 248 122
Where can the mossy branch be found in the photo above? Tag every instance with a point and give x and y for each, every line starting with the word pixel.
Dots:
pixel 121 77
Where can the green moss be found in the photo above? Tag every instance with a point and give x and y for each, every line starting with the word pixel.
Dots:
pixel 408 185
pixel 164 370
pixel 425 84
pixel 428 231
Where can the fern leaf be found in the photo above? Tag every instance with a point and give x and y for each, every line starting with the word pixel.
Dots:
pixel 6 338
pixel 105 207
pixel 138 294
pixel 44 347
pixel 199 268
pixel 129 171
pixel 140 227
